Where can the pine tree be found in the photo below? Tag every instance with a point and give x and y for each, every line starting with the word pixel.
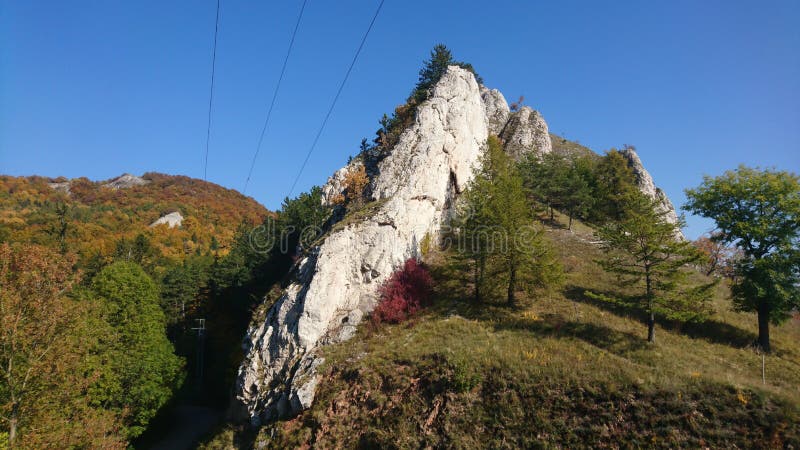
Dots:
pixel 503 241
pixel 643 252
pixel 615 181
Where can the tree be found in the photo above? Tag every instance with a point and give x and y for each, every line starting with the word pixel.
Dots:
pixel 499 227
pixel 545 177
pixel 303 217
pixel 138 250
pixel 719 258
pixel 434 68
pixel 559 183
pixel 145 366
pixel 758 211
pixel 615 180
pixel 44 342
pixel 643 251
pixel 579 196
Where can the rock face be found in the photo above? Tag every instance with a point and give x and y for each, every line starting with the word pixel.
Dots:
pixel 337 282
pixel 172 220
pixel 411 190
pixel 526 131
pixel 62 186
pixel 645 183
pixel 336 182
pixel 496 108
pixel 125 180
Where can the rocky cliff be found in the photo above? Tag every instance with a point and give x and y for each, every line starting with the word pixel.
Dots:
pixel 648 187
pixel 411 191
pixel 336 283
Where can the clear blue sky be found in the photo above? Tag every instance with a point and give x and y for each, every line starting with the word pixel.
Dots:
pixel 97 88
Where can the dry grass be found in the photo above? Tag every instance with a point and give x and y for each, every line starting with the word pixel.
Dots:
pixel 558 370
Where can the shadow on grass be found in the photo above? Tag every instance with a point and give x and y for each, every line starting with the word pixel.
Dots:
pixel 711 330
pixel 554 325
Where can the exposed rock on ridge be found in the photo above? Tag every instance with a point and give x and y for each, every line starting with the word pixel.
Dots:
pixel 496 108
pixel 339 279
pixel 125 180
pixel 172 220
pixel 646 185
pixel 411 189
pixel 526 131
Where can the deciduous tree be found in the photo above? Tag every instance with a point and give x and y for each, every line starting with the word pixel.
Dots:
pixel 145 367
pixel 758 211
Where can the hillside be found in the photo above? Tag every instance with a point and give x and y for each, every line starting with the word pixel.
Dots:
pixel 560 370
pixel 91 218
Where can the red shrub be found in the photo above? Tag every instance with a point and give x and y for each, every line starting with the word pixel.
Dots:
pixel 404 293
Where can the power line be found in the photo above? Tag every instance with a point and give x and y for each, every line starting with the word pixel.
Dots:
pixel 335 98
pixel 211 94
pixel 274 95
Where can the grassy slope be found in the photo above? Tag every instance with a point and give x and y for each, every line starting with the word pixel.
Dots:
pixel 557 371
pixel 569 148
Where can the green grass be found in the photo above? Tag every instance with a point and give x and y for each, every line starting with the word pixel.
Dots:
pixel 560 370
pixel 569 148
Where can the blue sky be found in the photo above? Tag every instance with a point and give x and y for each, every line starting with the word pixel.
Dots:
pixel 98 88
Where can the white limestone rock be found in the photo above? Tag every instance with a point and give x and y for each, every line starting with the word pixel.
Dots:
pixel 526 131
pixel 172 220
pixel 125 181
pixel 496 109
pixel 62 186
pixel 335 185
pixel 339 279
pixel 647 186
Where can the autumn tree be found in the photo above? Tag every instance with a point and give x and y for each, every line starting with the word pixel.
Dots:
pixel 758 211
pixel 719 258
pixel 44 344
pixel 355 182
pixel 642 250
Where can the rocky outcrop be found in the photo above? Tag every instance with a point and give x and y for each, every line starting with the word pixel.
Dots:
pixel 62 186
pixel 172 220
pixel 337 282
pixel 336 182
pixel 124 181
pixel 410 194
pixel 646 185
pixel 496 109
pixel 526 131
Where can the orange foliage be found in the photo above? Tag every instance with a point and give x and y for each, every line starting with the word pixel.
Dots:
pixel 98 216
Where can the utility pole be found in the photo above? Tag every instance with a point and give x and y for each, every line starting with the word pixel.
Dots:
pixel 201 336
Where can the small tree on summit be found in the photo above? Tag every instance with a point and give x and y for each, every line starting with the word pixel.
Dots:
pixel 433 70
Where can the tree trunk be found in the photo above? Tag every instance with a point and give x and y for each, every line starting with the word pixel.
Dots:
pixel 552 216
pixel 763 327
pixel 12 426
pixel 651 320
pixel 569 227
pixel 480 269
pixel 512 283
